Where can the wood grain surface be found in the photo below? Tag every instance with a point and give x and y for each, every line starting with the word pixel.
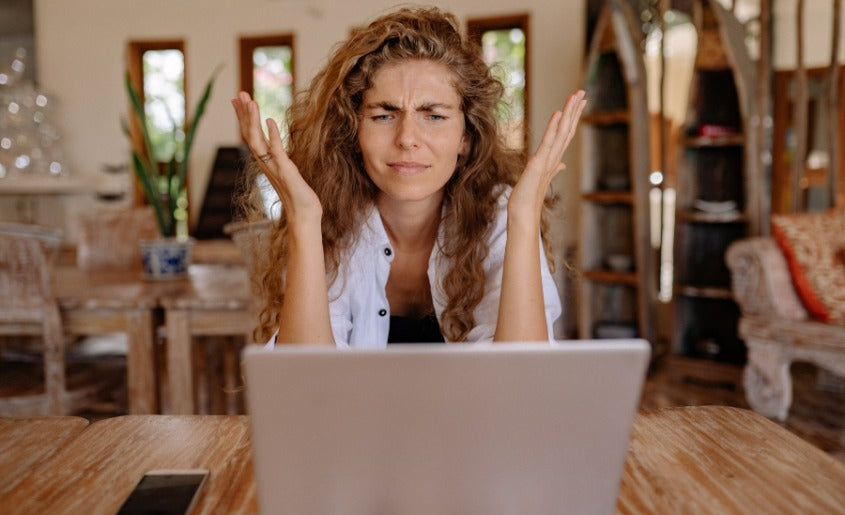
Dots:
pixel 711 459
pixel 717 459
pixel 98 469
pixel 24 443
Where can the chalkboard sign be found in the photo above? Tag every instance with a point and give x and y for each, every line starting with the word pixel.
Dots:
pixel 218 207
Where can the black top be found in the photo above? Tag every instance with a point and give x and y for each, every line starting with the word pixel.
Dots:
pixel 414 330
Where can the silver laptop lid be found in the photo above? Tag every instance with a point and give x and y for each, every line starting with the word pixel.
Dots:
pixel 514 428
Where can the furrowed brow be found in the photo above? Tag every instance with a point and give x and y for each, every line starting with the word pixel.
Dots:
pixel 431 106
pixel 387 106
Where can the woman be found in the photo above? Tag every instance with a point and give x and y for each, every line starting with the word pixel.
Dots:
pixel 400 199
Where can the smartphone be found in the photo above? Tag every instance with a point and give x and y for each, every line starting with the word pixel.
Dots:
pixel 165 492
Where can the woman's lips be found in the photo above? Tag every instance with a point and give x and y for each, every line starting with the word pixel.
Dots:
pixel 407 167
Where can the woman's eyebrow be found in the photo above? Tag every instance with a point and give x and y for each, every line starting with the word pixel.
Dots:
pixel 425 106
pixel 387 106
pixel 431 106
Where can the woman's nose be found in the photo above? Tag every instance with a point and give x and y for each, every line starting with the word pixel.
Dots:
pixel 407 136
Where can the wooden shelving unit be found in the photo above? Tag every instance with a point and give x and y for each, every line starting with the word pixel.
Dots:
pixel 617 276
pixel 717 201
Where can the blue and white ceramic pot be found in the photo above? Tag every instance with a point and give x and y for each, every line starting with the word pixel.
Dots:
pixel 166 258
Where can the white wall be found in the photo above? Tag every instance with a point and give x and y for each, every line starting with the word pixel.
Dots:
pixel 81 46
pixel 818 30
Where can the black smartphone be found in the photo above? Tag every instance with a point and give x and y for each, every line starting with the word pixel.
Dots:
pixel 166 492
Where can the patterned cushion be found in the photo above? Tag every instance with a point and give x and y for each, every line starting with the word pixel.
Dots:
pixel 812 244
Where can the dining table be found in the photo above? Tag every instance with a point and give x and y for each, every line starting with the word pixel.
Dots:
pixel 25 443
pixel 215 302
pixel 709 459
pixel 123 300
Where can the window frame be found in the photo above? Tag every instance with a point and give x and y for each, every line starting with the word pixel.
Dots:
pixel 476 27
pixel 135 60
pixel 246 48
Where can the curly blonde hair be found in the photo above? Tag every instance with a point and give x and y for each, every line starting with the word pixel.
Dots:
pixel 323 142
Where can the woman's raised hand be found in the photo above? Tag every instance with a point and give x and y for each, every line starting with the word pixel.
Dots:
pixel 527 197
pixel 298 199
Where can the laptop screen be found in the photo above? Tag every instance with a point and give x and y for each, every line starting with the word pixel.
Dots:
pixel 504 428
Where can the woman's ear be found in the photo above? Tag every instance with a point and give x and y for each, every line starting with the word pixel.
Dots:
pixel 464 148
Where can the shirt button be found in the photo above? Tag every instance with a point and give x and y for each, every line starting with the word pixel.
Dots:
pixel 387 251
pixel 382 312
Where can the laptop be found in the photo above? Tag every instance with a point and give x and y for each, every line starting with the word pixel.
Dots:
pixel 442 429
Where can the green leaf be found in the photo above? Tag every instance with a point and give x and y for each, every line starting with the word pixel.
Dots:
pixel 145 165
pixel 173 190
pixel 144 177
pixel 141 115
pixel 192 128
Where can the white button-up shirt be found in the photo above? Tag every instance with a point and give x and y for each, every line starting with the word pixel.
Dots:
pixel 360 313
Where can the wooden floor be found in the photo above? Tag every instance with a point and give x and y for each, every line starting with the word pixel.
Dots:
pixel 817 414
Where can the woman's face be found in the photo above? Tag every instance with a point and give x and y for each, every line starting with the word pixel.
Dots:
pixel 411 130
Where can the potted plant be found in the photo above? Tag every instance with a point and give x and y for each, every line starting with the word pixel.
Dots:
pixel 163 184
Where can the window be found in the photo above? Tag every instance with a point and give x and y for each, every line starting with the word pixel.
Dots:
pixel 504 47
pixel 157 70
pixel 267 74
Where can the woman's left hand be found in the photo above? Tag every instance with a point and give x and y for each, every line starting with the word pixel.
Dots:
pixel 526 200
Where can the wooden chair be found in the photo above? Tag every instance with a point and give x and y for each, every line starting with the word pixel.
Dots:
pixel 108 237
pixel 27 307
pixel 252 239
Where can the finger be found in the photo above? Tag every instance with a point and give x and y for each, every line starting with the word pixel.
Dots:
pixel 277 153
pixel 568 124
pixel 276 148
pixel 554 139
pixel 254 127
pixel 240 113
pixel 241 105
pixel 549 136
pixel 573 116
pixel 240 102
pixel 254 136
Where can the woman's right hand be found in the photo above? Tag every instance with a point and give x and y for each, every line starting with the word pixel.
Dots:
pixel 299 201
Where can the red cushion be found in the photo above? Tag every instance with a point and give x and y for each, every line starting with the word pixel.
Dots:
pixel 811 243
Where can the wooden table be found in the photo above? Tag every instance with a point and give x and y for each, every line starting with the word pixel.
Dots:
pixel 718 459
pixel 681 460
pixel 98 469
pixel 216 303
pixel 107 301
pixel 104 301
pixel 27 442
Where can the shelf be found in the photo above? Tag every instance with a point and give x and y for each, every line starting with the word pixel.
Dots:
pixel 734 140
pixel 614 185
pixel 611 277
pixel 731 217
pixel 42 185
pixel 704 292
pixel 609 197
pixel 716 199
pixel 606 117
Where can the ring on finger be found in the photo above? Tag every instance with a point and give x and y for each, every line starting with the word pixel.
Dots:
pixel 265 158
